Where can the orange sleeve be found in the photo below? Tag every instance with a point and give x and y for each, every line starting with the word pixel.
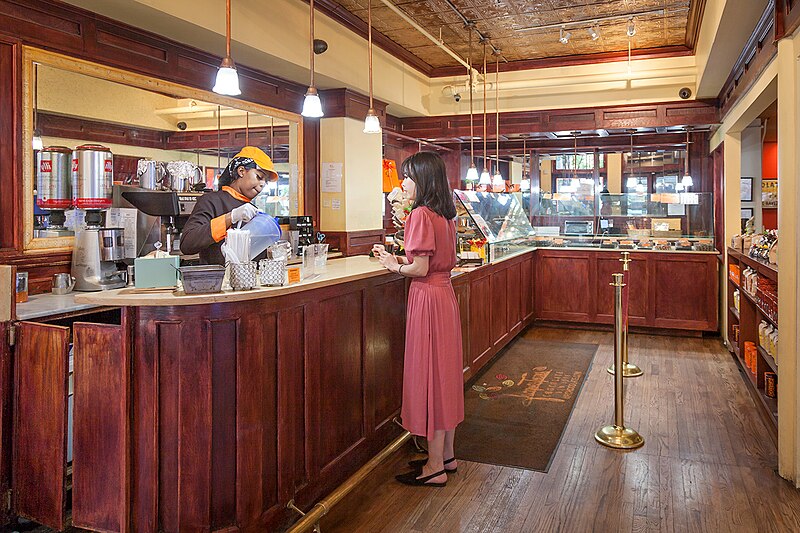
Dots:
pixel 218 229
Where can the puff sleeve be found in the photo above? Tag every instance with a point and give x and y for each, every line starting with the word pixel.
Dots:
pixel 420 238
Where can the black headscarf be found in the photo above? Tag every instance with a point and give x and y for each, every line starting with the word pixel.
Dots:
pixel 230 173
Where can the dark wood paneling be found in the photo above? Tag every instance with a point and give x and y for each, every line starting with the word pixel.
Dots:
pixel 526 288
pixel 99 467
pixel 225 382
pixel 9 155
pixel 345 102
pixel 40 423
pixel 384 338
pixel 499 318
pixel 679 113
pixel 6 416
pixel 564 286
pixel 340 375
pixel 355 242
pixel 480 318
pixel 757 53
pixel 292 470
pixel 461 289
pixel 685 292
pixel 514 296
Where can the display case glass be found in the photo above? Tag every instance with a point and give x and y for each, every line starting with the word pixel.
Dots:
pixel 665 221
pixel 491 226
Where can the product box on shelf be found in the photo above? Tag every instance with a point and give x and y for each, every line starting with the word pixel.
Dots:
pixel 734 273
pixel 771 384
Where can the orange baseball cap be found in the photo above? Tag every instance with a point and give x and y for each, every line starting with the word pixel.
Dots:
pixel 261 159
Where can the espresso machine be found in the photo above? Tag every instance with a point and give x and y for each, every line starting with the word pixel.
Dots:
pixel 97 249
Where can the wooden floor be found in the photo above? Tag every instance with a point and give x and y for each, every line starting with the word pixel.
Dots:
pixel 708 463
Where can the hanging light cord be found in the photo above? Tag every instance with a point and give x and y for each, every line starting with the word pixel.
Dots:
pixel 228 29
pixel 369 38
pixel 311 38
pixel 471 121
pixel 247 128
pixel 219 145
pixel 686 159
pixel 272 138
pixel 484 106
pixel 497 110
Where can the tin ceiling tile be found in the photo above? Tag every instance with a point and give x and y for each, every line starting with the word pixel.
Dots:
pixel 504 21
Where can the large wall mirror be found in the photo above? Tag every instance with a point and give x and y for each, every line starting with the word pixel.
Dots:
pixel 190 134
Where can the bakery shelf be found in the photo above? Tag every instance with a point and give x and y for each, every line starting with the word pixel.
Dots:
pixel 734 312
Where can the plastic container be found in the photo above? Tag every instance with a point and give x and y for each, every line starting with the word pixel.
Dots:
pixel 202 279
pixel 264 231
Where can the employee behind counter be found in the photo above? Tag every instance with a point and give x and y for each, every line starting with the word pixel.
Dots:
pixel 216 211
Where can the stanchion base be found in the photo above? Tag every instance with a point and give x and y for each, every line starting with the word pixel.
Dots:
pixel 619 437
pixel 628 371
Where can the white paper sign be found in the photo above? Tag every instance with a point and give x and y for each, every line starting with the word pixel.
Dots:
pixel 124 217
pixel 336 204
pixel 331 177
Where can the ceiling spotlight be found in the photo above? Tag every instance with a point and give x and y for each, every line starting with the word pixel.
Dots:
pixel 631 27
pixel 594 32
pixel 564 36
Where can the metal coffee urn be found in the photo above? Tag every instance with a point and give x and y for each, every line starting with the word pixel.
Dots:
pixel 54 187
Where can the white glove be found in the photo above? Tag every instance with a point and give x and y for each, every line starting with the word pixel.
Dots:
pixel 243 213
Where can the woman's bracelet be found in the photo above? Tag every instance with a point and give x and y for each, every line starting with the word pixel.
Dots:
pixel 399 269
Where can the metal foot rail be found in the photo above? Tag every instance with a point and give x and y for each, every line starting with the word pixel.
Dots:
pixel 311 519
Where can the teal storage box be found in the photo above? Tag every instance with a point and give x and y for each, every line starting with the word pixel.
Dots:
pixel 152 272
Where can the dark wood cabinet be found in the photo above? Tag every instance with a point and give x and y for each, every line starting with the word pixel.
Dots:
pixel 672 291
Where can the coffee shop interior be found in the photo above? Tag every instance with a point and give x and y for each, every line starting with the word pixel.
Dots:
pixel 624 175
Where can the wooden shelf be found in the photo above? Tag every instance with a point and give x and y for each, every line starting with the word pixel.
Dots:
pixel 770 404
pixel 769 359
pixel 734 312
pixel 766 316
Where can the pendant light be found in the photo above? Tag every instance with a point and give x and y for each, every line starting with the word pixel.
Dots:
pixel 227 78
pixel 687 180
pixel 525 184
pixel 631 181
pixel 36 142
pixel 472 172
pixel 371 124
pixel 312 106
pixel 497 180
pixel 486 179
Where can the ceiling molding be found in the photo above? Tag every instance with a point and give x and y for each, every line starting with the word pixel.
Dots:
pixel 568 61
pixel 693 23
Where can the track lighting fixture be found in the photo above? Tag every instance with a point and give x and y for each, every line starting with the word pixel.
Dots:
pixel 631 27
pixel 594 32
pixel 564 36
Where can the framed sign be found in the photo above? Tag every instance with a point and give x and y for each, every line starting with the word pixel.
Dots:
pixel 747 213
pixel 746 190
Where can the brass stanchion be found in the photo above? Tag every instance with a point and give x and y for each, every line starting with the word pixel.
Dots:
pixel 617 435
pixel 628 370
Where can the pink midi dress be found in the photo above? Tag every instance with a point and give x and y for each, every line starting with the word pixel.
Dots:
pixel 433 380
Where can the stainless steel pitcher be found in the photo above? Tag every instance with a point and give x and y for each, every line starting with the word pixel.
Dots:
pixel 151 174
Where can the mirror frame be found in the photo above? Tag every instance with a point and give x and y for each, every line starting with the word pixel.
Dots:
pixel 31 55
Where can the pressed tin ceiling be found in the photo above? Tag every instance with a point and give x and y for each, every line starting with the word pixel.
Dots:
pixel 512 27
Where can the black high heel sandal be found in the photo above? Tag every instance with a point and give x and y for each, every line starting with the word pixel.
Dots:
pixel 419 463
pixel 410 478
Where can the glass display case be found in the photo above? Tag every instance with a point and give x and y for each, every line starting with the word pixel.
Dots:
pixel 491 226
pixel 663 221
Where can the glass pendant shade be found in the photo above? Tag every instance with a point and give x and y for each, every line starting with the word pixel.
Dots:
pixel 631 183
pixel 498 181
pixel 227 79
pixel 371 124
pixel 485 179
pixel 472 173
pixel 687 181
pixel 312 106
pixel 37 140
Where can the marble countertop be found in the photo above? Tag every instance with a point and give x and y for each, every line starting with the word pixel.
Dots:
pixel 48 304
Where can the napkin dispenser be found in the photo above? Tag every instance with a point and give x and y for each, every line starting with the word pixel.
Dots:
pixel 156 271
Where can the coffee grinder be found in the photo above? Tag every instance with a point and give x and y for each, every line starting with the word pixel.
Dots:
pixel 95 255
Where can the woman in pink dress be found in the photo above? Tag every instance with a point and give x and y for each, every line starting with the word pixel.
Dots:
pixel 433 382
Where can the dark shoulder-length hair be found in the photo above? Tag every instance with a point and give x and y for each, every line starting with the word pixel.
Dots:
pixel 430 177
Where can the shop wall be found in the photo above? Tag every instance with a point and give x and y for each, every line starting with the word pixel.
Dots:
pixel 769 170
pixel 751 167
